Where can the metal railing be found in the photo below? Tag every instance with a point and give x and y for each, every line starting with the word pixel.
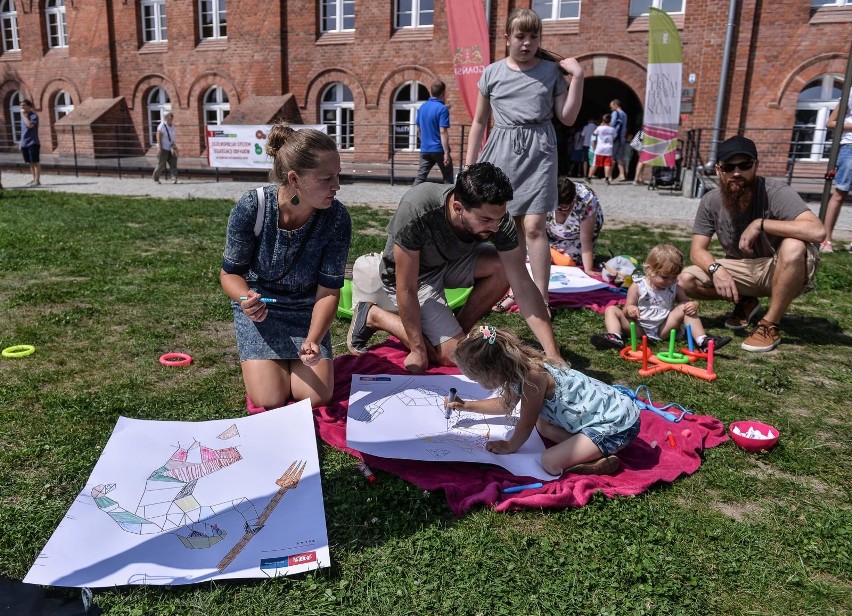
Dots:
pixel 384 152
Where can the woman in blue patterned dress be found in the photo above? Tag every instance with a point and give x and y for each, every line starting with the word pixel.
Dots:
pixel 284 276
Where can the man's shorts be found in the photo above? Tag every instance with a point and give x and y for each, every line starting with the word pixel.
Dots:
pixel 603 161
pixel 753 277
pixel 31 153
pixel 618 150
pixel 843 176
pixel 437 320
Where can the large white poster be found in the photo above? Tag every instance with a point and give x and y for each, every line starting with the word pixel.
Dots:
pixel 403 416
pixel 184 502
pixel 242 146
pixel 566 279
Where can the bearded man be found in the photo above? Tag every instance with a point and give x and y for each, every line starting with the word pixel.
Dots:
pixel 445 237
pixel 770 239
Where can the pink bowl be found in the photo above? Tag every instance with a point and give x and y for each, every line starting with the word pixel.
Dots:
pixel 753 444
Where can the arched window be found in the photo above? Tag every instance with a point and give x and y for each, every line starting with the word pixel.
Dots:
pixel 337 110
pixel 57 31
pixel 811 139
pixel 9 25
pixel 158 106
pixel 407 100
pixel 213 19
pixel 62 104
pixel 15 115
pixel 153 14
pixel 216 105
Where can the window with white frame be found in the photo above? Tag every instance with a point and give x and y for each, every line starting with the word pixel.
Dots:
pixel 407 100
pixel 337 15
pixel 216 105
pixel 337 110
pixel 158 105
pixel 15 116
pixel 62 105
pixel 811 139
pixel 821 3
pixel 153 13
pixel 414 13
pixel 640 7
pixel 213 19
pixel 9 25
pixel 57 30
pixel 557 9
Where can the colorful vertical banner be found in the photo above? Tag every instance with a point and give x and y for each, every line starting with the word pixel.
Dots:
pixel 662 91
pixel 469 45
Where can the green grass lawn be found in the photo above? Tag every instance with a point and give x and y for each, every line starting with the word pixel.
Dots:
pixel 102 286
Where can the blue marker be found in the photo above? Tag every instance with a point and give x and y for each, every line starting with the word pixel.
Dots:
pixel 448 412
pixel 516 489
pixel 265 300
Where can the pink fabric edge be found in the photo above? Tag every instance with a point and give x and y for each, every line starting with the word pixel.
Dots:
pixel 469 485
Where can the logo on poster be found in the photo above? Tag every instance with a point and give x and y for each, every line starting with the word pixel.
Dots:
pixel 302 559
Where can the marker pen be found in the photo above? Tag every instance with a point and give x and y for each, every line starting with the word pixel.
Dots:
pixel 516 489
pixel 265 300
pixel 448 411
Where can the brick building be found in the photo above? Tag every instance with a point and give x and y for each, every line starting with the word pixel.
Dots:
pixel 101 73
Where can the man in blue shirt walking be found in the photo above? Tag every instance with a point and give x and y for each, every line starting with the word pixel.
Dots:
pixel 30 145
pixel 433 123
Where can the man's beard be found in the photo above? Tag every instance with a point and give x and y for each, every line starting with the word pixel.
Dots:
pixel 737 196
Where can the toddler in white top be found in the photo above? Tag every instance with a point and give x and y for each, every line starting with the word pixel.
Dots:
pixel 656 304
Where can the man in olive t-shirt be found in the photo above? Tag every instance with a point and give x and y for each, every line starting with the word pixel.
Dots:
pixel 450 237
pixel 770 239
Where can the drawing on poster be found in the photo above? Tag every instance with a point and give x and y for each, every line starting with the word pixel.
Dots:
pixel 200 507
pixel 400 416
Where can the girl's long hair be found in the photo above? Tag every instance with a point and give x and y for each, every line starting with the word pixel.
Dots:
pixel 527 20
pixel 505 364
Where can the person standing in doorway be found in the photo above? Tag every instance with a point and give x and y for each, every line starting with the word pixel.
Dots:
pixel 30 145
pixel 619 144
pixel 433 123
pixel 167 151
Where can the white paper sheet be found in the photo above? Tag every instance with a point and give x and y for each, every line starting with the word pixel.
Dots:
pixel 566 279
pixel 183 502
pixel 402 416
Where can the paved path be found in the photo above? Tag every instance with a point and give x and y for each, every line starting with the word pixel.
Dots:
pixel 621 202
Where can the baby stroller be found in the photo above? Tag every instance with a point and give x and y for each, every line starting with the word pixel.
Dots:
pixel 668 177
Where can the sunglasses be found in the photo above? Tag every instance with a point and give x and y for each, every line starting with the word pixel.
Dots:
pixel 729 167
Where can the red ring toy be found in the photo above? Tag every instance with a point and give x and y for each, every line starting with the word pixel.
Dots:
pixel 175 359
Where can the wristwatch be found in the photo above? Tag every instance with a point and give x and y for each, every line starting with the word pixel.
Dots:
pixel 713 267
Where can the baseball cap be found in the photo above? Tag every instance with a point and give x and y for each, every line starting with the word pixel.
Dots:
pixel 736 145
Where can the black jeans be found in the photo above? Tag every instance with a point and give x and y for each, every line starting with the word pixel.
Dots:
pixel 427 161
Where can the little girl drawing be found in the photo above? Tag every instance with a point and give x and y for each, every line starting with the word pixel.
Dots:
pixel 657 304
pixel 524 91
pixel 588 420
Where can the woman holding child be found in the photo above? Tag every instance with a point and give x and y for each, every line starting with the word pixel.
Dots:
pixel 283 269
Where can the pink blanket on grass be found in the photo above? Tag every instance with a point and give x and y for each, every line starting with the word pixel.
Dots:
pixel 467 485
pixel 598 300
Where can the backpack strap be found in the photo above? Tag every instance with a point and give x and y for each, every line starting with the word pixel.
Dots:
pixel 261 210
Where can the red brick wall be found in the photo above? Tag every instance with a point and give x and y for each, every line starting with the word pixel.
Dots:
pixel 273 48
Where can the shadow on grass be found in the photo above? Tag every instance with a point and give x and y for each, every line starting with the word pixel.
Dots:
pixel 797 329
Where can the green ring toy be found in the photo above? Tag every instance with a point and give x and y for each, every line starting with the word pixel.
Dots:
pixel 19 350
pixel 672 358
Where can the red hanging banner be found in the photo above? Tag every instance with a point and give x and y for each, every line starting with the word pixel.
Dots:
pixel 469 46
